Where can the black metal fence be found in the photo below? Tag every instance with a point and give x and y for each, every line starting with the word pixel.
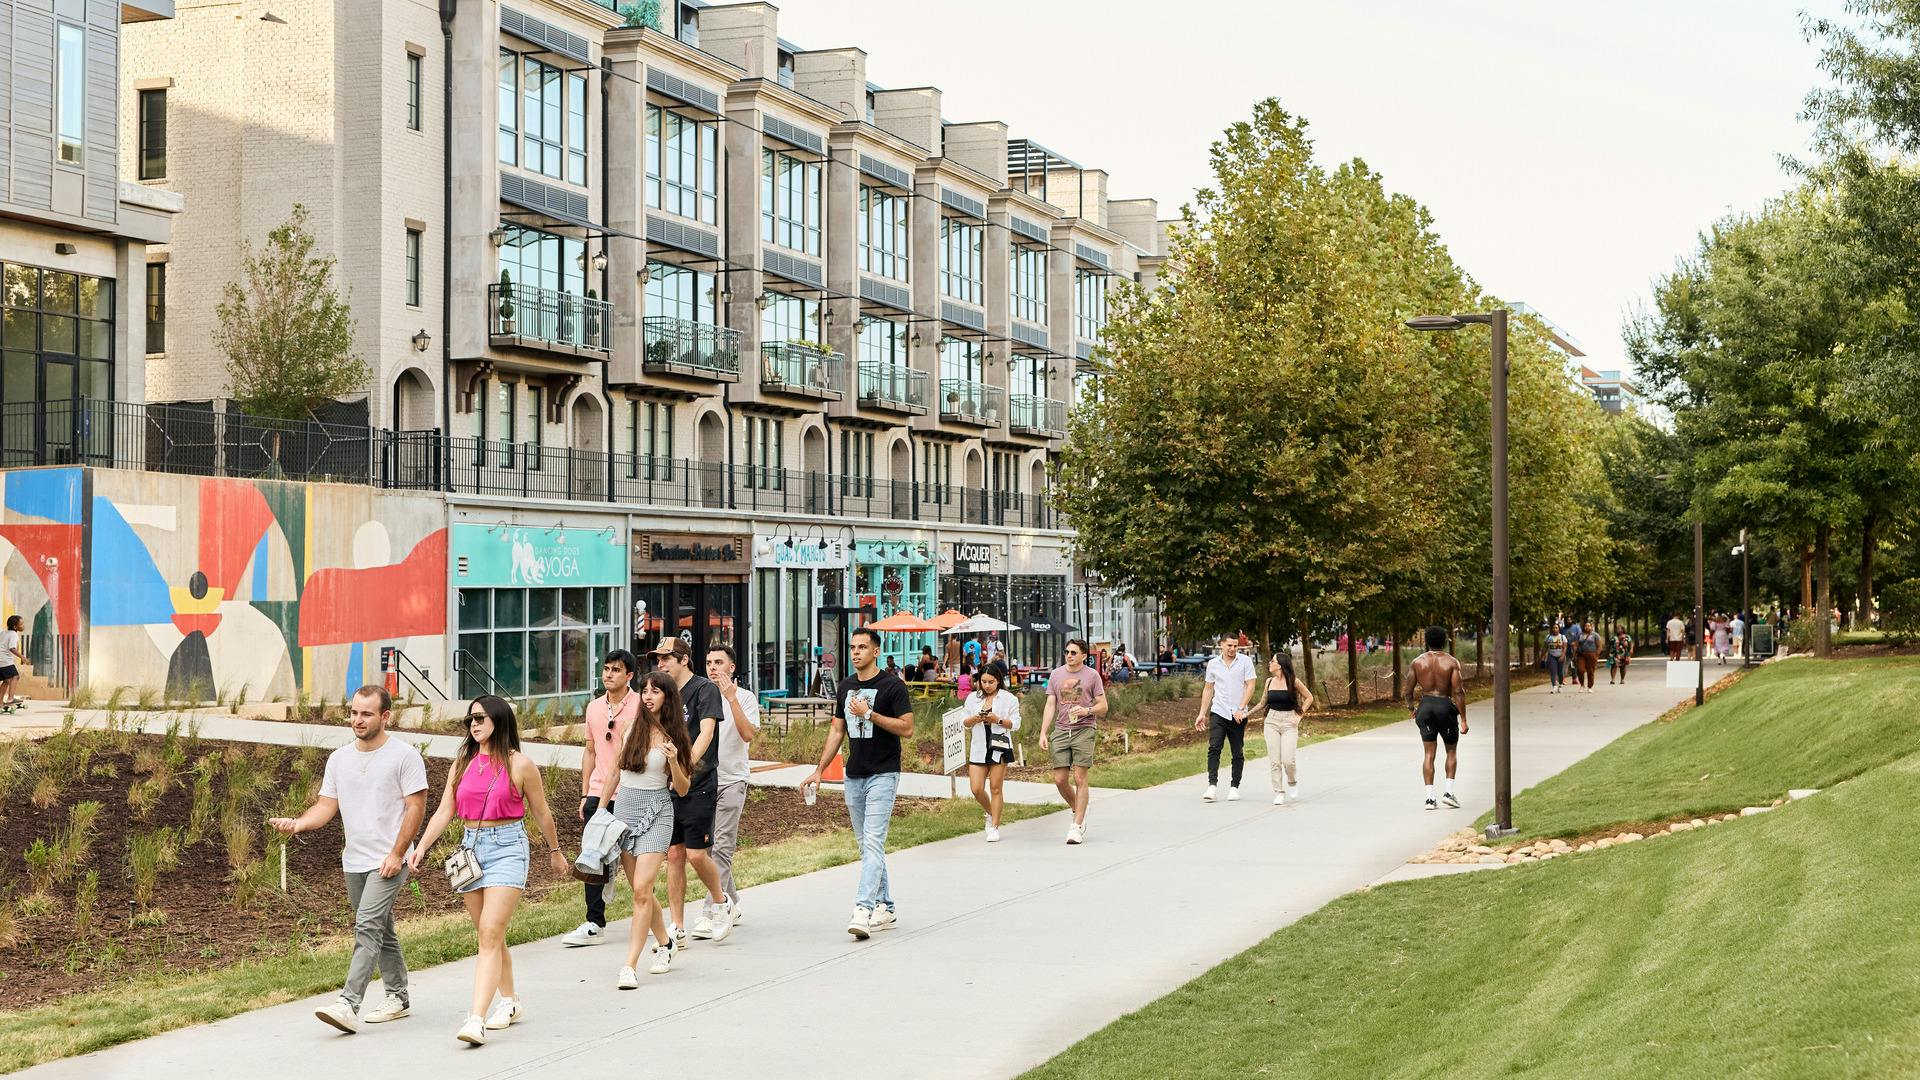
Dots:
pixel 196 439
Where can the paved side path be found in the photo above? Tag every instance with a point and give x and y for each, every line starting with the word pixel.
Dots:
pixel 41 718
pixel 1006 953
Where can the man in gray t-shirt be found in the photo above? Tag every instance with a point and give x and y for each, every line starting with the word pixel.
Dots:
pixel 378 785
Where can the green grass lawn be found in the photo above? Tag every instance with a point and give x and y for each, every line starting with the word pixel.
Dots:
pixel 163 1001
pixel 1778 946
pixel 1798 724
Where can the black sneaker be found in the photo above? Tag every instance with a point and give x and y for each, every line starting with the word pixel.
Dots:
pixel 1452 803
pixel 1431 805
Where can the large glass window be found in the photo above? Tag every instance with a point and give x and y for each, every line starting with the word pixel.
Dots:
pixel 683 165
pixel 156 307
pixel 790 201
pixel 883 233
pixel 789 318
pixel 509 107
pixel 414 71
pixel 1029 277
pixel 502 423
pixel 412 259
pixel 56 330
pixel 1027 375
pixel 884 341
pixel 540 96
pixel 765 449
pixel 536 424
pixel 679 293
pixel 856 463
pixel 535 643
pixel 577 129
pixel 543 260
pixel 71 119
pixel 1089 304
pixel 153 134
pixel 936 472
pixel 959 359
pixel 650 437
pixel 960 260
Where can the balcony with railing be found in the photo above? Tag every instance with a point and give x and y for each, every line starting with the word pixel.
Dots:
pixel 683 347
pixel 1034 415
pixel 527 317
pixel 792 367
pixel 896 387
pixel 972 402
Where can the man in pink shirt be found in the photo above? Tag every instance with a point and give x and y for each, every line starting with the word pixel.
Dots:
pixel 607 719
pixel 1076 698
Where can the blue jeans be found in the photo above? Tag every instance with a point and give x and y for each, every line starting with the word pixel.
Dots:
pixel 870 806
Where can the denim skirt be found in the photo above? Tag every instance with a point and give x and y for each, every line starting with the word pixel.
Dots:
pixel 502 851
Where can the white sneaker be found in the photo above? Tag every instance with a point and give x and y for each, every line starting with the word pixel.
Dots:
pixel 722 922
pixel 859 926
pixel 1452 803
pixel 1293 792
pixel 703 926
pixel 1279 799
pixel 1074 834
pixel 587 933
pixel 1431 805
pixel 474 1031
pixel 678 934
pixel 1208 794
pixel 1233 794
pixel 389 1008
pixel 881 919
pixel 736 911
pixel 663 959
pixel 993 835
pixel 629 979
pixel 505 1012
pixel 340 1015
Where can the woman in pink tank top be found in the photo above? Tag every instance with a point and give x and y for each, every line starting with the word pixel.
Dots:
pixel 492 787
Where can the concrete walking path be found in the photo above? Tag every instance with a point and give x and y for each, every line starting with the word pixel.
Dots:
pixel 1005 953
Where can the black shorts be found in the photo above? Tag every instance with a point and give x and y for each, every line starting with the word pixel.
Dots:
pixel 8 671
pixel 1437 719
pixel 693 813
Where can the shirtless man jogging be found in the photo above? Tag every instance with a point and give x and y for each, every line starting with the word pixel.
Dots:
pixel 1438 702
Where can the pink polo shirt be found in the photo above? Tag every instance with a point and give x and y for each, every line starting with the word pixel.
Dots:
pixel 606 753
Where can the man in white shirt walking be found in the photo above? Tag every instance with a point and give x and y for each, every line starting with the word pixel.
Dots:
pixel 1224 705
pixel 1676 637
pixel 737 729
pixel 378 785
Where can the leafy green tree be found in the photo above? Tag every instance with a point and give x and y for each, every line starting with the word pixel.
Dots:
pixel 285 330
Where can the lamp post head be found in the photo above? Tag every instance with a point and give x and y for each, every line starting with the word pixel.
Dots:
pixel 1434 322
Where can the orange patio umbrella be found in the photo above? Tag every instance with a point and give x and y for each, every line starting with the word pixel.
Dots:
pixel 947 619
pixel 904 622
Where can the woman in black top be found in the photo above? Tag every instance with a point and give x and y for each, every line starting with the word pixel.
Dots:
pixel 1286 700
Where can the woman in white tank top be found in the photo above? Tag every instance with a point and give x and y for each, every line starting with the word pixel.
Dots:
pixel 655 762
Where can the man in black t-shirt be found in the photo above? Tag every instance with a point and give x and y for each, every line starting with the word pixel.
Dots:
pixel 871 713
pixel 693 812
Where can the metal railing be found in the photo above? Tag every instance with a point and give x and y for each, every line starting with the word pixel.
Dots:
pixel 529 313
pixel 801 369
pixel 1041 416
pixel 972 402
pixel 200 441
pixel 892 385
pixel 671 344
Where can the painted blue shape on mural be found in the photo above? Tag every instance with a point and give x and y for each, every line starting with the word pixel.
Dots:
pixel 260 569
pixel 354 681
pixel 127 588
pixel 53 494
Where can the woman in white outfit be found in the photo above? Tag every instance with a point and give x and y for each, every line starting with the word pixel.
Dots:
pixel 1286 700
pixel 993 715
pixel 655 762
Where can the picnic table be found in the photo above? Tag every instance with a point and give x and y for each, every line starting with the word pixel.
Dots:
pixel 785 708
pixel 926 689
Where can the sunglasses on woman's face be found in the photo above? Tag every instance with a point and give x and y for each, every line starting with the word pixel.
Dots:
pixel 477 717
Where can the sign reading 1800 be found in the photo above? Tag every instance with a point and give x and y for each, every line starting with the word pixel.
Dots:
pixel 506 556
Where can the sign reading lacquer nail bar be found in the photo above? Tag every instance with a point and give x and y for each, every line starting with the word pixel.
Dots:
pixel 690 553
pixel 972 557
pixel 509 556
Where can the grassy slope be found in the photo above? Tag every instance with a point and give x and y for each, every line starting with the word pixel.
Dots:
pixel 161 1002
pixel 1778 946
pixel 1798 724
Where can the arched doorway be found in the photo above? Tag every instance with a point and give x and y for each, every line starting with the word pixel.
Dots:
pixel 1039 494
pixel 412 401
pixel 900 472
pixel 587 435
pixel 712 439
pixel 813 465
pixel 973 495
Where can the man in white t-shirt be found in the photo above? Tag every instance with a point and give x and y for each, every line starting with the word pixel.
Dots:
pixel 379 787
pixel 1224 705
pixel 1738 630
pixel 1676 637
pixel 737 729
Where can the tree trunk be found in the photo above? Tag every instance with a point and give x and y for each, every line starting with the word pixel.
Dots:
pixel 1306 655
pixel 1822 628
pixel 1864 620
pixel 1396 667
pixel 1353 665
pixel 1806 576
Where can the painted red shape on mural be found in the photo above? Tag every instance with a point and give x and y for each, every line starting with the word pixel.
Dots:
pixel 342 606
pixel 54 553
pixel 233 518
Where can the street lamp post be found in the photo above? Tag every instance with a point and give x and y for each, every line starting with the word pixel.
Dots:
pixel 1496 321
pixel 1746 601
pixel 1699 613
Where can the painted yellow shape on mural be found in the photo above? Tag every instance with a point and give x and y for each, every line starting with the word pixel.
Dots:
pixel 185 604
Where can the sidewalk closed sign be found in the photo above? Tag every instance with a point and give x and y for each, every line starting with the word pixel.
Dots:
pixel 953 737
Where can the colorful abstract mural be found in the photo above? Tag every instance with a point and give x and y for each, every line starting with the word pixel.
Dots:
pixel 210 587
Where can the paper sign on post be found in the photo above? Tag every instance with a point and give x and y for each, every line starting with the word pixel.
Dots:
pixel 953 736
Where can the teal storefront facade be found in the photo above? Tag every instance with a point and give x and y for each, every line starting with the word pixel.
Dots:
pixel 536 608
pixel 896 576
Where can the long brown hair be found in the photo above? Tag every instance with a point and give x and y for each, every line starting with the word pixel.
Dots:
pixel 506 734
pixel 671 723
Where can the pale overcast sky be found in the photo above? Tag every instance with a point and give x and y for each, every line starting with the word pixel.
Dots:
pixel 1627 125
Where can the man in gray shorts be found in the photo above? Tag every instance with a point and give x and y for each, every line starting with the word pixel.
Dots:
pixel 737 730
pixel 1438 701
pixel 1076 699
